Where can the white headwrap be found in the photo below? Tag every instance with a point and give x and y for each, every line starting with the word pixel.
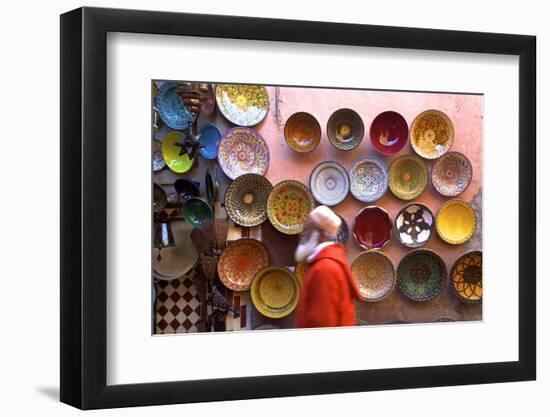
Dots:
pixel 326 220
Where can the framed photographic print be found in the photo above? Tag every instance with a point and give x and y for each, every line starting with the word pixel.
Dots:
pixel 291 208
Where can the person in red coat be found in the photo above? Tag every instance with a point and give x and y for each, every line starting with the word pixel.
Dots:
pixel 328 288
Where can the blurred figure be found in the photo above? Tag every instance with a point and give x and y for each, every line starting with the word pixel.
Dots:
pixel 328 288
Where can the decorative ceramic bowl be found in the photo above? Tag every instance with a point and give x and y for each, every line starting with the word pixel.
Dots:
pixel 186 188
pixel 275 292
pixel 239 263
pixel 451 174
pixel 375 275
pixel 408 177
pixel 243 151
pixel 158 161
pixel 208 105
pixel 432 134
pixel 159 198
pixel 288 206
pixel 171 153
pixel 302 132
pixel 171 108
pixel 389 132
pixel 368 179
pixel 372 228
pixel 178 260
pixel 343 233
pixel 196 211
pixel 209 136
pixel 467 277
pixel 421 274
pixel 329 183
pixel 243 105
pixel 414 225
pixel 345 129
pixel 456 222
pixel 246 199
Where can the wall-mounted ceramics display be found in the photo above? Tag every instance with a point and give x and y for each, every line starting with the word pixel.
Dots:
pixel 372 228
pixel 172 153
pixel 302 132
pixel 209 137
pixel 246 199
pixel 375 275
pixel 456 222
pixel 171 108
pixel 451 174
pixel 329 183
pixel 239 263
pixel 243 151
pixel 345 129
pixel 389 132
pixel 275 292
pixel 408 177
pixel 243 105
pixel 288 206
pixel 421 275
pixel 368 179
pixel 432 134
pixel 414 225
pixel 467 277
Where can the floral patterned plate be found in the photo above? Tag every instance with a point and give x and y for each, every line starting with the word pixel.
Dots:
pixel 243 105
pixel 368 179
pixel 456 222
pixel 275 292
pixel 171 108
pixel 345 129
pixel 375 275
pixel 421 275
pixel 288 205
pixel 408 177
pixel 451 174
pixel 414 225
pixel 171 153
pixel 243 151
pixel 239 263
pixel 329 183
pixel 302 132
pixel 432 134
pixel 246 199
pixel 467 277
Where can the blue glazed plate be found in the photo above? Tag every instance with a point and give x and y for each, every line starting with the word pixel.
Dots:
pixel 171 109
pixel 209 136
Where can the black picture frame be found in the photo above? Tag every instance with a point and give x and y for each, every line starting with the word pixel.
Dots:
pixel 84 207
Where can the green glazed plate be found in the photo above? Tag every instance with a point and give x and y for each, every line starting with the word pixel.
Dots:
pixel 408 177
pixel 421 275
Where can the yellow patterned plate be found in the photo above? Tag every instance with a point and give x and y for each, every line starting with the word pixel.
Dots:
pixel 288 206
pixel 243 105
pixel 455 222
pixel 275 292
pixel 375 275
pixel 467 277
pixel 432 134
pixel 408 177
pixel 171 154
pixel 239 263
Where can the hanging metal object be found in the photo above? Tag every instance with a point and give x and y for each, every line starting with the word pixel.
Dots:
pixel 163 235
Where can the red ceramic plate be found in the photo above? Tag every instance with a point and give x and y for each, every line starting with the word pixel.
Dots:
pixel 373 226
pixel 389 132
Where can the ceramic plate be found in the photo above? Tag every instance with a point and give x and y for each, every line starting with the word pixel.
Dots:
pixel 414 225
pixel 243 105
pixel 209 136
pixel 421 275
pixel 243 151
pixel 175 261
pixel 375 275
pixel 302 132
pixel 372 228
pixel 389 132
pixel 196 211
pixel 368 179
pixel 432 134
pixel 467 277
pixel 345 129
pixel 239 263
pixel 171 154
pixel 456 222
pixel 246 199
pixel 451 174
pixel 158 161
pixel 170 107
pixel 329 183
pixel 288 205
pixel 408 177
pixel 275 292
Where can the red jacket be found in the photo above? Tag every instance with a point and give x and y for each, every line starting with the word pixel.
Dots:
pixel 328 291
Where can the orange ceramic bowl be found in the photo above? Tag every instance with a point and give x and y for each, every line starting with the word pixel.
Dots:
pixel 302 132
